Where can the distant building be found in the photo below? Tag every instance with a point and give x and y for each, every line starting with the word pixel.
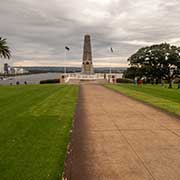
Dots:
pixel 13 70
pixel 6 68
pixel 19 71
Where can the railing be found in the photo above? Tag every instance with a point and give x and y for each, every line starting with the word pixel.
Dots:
pixel 78 76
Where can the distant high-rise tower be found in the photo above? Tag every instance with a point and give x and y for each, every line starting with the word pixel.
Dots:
pixel 6 68
pixel 87 66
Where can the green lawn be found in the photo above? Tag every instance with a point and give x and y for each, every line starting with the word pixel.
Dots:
pixel 34 130
pixel 156 95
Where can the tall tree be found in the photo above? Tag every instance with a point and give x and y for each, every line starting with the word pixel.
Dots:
pixel 133 72
pixel 158 61
pixel 4 49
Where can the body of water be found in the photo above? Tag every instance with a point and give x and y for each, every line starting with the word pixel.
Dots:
pixel 30 79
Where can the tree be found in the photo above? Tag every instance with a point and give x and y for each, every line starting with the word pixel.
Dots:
pixel 133 72
pixel 4 49
pixel 158 62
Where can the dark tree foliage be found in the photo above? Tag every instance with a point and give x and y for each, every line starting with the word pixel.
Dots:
pixel 4 49
pixel 133 72
pixel 157 62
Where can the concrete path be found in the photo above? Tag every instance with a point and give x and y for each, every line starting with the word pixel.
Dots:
pixel 117 138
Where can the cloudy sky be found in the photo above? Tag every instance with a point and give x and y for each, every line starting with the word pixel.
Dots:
pixel 37 31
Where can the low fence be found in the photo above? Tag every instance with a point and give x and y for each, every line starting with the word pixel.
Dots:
pixel 82 77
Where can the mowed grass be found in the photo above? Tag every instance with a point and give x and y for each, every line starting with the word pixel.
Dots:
pixel 34 130
pixel 156 95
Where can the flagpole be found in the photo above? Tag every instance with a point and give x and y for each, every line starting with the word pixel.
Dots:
pixel 110 70
pixel 110 66
pixel 65 56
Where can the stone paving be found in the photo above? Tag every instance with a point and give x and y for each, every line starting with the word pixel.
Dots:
pixel 117 138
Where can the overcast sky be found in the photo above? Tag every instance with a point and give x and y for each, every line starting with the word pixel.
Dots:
pixel 37 31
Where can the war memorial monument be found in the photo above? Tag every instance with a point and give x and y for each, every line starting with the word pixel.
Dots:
pixel 87 64
pixel 87 68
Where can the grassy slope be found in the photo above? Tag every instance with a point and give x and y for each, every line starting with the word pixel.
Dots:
pixel 34 130
pixel 164 98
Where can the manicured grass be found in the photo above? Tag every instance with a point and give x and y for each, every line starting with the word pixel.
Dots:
pixel 34 130
pixel 156 95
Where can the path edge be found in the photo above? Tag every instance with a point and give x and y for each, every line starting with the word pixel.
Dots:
pixel 66 175
pixel 145 103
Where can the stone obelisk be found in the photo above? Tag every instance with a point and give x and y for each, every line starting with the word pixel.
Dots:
pixel 87 65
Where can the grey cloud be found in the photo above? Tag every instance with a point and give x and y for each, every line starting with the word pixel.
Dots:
pixel 38 31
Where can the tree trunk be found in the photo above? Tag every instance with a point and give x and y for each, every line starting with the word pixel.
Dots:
pixel 170 83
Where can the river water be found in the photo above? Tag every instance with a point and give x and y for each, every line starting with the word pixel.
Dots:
pixel 30 79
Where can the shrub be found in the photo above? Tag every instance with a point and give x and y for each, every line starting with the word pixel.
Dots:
pixel 123 80
pixel 50 81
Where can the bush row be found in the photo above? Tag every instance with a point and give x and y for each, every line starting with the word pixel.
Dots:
pixel 123 80
pixel 50 81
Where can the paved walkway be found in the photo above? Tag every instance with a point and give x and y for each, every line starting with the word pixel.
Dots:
pixel 117 138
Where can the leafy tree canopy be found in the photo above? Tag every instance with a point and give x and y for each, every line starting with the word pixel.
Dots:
pixel 160 61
